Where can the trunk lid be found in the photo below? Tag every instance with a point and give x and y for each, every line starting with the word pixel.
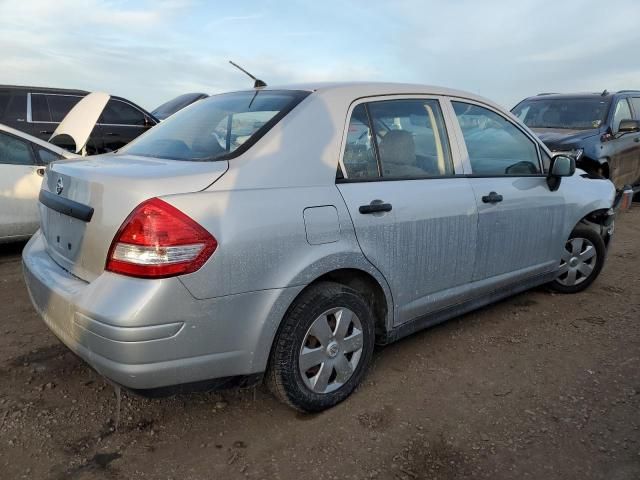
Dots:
pixel 80 121
pixel 112 185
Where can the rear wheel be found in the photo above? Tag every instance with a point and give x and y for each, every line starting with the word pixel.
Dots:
pixel 582 259
pixel 322 349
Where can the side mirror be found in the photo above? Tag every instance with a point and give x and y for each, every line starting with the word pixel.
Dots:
pixel 148 122
pixel 561 166
pixel 629 126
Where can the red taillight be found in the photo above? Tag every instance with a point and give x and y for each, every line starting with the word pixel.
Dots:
pixel 157 240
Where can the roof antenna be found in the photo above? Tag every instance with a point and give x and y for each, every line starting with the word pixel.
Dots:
pixel 257 82
pixel 604 93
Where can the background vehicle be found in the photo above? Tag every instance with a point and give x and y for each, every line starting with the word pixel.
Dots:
pixel 287 230
pixel 172 106
pixel 601 130
pixel 22 163
pixel 37 111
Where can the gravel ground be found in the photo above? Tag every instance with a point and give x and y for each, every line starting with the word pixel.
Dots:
pixel 540 386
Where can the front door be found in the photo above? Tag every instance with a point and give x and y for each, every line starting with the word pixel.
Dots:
pixel 415 220
pixel 625 162
pixel 521 222
pixel 119 124
pixel 19 188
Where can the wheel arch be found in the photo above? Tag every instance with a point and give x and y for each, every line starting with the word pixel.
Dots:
pixel 601 221
pixel 597 166
pixel 360 276
pixel 368 286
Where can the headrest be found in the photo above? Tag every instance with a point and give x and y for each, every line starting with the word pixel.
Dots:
pixel 397 146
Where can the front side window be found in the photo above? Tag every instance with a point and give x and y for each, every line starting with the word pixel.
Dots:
pixel 14 151
pixel 120 113
pixel 622 112
pixel 495 146
pixel 410 137
pixel 217 127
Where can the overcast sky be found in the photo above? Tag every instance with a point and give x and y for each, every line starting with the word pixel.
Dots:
pixel 150 51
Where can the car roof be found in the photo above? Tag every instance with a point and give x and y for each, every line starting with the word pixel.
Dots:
pixel 581 95
pixel 369 89
pixel 37 141
pixel 44 89
pixel 65 91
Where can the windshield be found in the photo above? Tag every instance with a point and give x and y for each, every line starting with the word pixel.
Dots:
pixel 216 128
pixel 569 113
pixel 172 106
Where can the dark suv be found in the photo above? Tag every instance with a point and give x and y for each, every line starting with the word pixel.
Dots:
pixel 601 130
pixel 38 111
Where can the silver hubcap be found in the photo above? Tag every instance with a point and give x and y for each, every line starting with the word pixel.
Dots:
pixel 331 350
pixel 579 258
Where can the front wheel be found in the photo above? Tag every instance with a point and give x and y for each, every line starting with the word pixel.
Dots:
pixel 582 260
pixel 322 349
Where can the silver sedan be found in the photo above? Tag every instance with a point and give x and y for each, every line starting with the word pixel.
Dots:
pixel 280 233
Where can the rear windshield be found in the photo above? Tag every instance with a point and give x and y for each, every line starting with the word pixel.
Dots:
pixel 216 128
pixel 569 113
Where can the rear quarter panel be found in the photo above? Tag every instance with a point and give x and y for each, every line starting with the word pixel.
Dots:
pixel 262 240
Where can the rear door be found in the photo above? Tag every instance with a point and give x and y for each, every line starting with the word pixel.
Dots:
pixel 415 218
pixel 521 221
pixel 19 187
pixel 120 123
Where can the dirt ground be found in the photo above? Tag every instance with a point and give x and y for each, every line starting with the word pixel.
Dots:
pixel 539 386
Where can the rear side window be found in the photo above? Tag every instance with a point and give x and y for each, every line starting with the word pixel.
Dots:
pixel 121 113
pixel 359 156
pixel 47 156
pixel 495 146
pixel 4 102
pixel 40 108
pixel 409 139
pixel 17 109
pixel 60 105
pixel 14 151
pixel 219 127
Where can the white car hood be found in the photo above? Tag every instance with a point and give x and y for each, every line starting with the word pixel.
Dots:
pixel 79 122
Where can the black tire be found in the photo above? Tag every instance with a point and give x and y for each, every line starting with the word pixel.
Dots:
pixel 284 377
pixel 592 236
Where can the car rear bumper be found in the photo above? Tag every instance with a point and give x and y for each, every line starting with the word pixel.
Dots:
pixel 147 334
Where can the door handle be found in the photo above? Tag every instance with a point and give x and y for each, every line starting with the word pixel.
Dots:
pixel 112 134
pixel 374 207
pixel 637 139
pixel 493 197
pixel 46 132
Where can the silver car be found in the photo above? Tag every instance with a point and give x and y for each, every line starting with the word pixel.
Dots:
pixel 282 232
